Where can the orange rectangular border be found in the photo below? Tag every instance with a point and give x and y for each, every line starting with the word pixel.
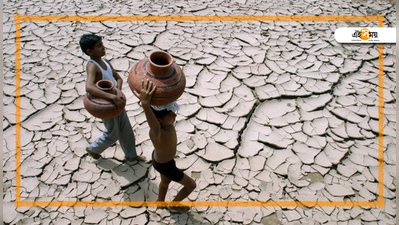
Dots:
pixel 18 203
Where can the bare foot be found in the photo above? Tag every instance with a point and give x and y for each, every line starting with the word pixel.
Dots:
pixel 138 158
pixel 182 209
pixel 92 154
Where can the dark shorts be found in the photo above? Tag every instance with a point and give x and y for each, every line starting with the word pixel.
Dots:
pixel 168 169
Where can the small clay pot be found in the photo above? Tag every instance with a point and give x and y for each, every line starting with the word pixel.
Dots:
pixel 164 73
pixel 100 107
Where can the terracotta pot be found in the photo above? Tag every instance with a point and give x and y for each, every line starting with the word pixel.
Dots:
pixel 100 107
pixel 161 69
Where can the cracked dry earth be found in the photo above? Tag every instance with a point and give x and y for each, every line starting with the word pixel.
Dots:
pixel 273 111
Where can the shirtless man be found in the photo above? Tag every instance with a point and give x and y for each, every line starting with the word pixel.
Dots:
pixel 163 137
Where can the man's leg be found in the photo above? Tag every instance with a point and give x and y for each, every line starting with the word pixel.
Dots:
pixel 109 137
pixel 163 188
pixel 189 186
pixel 127 139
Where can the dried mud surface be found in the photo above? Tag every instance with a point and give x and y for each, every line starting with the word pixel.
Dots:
pixel 272 111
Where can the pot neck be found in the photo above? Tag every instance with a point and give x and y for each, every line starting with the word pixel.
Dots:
pixel 105 85
pixel 160 64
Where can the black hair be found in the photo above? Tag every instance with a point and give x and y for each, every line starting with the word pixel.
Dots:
pixel 160 114
pixel 87 41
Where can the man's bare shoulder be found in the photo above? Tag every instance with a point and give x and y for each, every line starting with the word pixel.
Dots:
pixel 91 65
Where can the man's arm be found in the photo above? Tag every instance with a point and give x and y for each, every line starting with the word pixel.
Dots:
pixel 146 90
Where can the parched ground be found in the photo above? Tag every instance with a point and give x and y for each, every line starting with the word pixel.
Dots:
pixel 273 111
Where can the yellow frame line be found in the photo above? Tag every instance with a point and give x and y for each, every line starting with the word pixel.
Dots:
pixel 198 204
pixel 18 203
pixel 18 110
pixel 197 18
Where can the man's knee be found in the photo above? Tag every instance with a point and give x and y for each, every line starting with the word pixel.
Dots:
pixel 191 185
pixel 109 138
pixel 165 182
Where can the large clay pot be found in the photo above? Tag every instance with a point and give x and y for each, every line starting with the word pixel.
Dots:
pixel 165 74
pixel 100 107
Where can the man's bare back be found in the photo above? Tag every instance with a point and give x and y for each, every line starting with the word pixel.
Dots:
pixel 165 144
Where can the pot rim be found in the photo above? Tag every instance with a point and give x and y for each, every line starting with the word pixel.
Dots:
pixel 105 82
pixel 170 58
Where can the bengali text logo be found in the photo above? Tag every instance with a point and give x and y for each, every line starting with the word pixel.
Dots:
pixel 364 34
